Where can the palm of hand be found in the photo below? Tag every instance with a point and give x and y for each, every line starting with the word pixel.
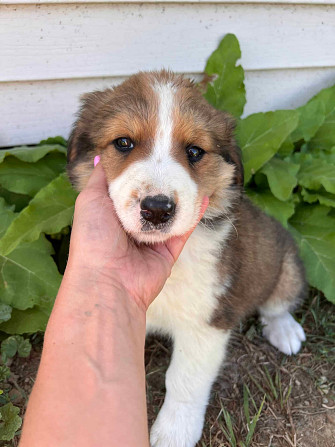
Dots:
pixel 99 238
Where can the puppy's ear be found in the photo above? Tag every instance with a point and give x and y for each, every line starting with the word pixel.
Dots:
pixel 81 147
pixel 80 141
pixel 230 150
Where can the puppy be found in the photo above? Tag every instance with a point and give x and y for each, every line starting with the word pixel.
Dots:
pixel 163 148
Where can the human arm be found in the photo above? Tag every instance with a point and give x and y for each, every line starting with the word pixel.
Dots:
pixel 90 388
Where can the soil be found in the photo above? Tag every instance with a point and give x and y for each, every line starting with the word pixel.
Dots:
pixel 299 402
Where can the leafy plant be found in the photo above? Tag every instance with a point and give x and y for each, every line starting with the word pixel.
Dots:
pixel 289 160
pixel 10 421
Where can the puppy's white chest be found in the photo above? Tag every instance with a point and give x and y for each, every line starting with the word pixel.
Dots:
pixel 189 295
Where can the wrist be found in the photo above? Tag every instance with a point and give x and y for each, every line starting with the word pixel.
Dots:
pixel 100 283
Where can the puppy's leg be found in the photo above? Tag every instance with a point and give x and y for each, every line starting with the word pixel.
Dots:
pixel 280 328
pixel 197 356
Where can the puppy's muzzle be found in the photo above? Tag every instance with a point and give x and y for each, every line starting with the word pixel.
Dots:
pixel 157 209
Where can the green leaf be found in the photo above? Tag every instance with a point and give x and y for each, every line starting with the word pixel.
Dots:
pixel 325 136
pixel 28 178
pixel 227 91
pixel 5 312
pixel 286 148
pixel 9 347
pixel 314 174
pixel 31 154
pixel 322 196
pixel 282 177
pixel 6 216
pixel 28 275
pixel 54 140
pixel 49 211
pixel 10 421
pixel 311 117
pixel 314 231
pixel 23 346
pixel 26 321
pixel 265 200
pixel 260 136
pixel 19 201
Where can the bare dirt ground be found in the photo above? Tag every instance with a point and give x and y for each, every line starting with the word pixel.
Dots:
pixel 298 391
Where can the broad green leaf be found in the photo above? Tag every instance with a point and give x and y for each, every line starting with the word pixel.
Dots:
pixel 282 177
pixel 28 275
pixel 265 200
pixel 314 231
pixel 314 174
pixel 311 117
pixel 260 136
pixel 26 321
pixel 49 211
pixel 19 201
pixel 325 136
pixel 322 196
pixel 227 91
pixel 10 422
pixel 286 148
pixel 6 216
pixel 5 312
pixel 31 154
pixel 54 140
pixel 9 347
pixel 27 178
pixel 328 156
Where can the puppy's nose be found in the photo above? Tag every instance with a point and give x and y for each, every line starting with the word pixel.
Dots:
pixel 157 209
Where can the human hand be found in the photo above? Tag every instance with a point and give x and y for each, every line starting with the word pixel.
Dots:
pixel 103 255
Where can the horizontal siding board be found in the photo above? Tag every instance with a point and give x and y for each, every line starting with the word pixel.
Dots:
pixel 40 2
pixel 31 111
pixel 56 41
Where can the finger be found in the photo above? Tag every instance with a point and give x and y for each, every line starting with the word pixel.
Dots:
pixel 97 180
pixel 176 244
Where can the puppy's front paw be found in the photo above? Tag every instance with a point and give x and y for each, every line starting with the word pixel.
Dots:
pixel 177 425
pixel 284 333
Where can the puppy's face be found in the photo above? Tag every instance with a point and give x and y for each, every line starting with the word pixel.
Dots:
pixel 163 148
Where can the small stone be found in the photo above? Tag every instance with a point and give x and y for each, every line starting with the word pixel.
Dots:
pixel 297 382
pixel 306 403
pixel 325 400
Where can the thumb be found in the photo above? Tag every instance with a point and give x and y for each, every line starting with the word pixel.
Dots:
pixel 176 244
pixel 97 180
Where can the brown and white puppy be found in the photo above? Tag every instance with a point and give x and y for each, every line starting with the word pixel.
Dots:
pixel 163 148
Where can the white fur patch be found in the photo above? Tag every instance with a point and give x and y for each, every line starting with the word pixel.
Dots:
pixel 183 310
pixel 163 140
pixel 283 332
pixel 159 173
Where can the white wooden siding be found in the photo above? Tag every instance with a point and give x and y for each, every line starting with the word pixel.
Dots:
pixel 53 51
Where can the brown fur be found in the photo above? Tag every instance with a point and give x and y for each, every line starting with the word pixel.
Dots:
pixel 260 258
pixel 262 263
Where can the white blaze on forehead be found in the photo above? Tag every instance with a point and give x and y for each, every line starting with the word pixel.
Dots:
pixel 159 173
pixel 163 138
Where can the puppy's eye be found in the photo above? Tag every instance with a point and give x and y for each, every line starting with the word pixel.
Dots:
pixel 123 144
pixel 194 153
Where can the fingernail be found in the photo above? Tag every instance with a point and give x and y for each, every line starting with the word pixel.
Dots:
pixel 96 160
